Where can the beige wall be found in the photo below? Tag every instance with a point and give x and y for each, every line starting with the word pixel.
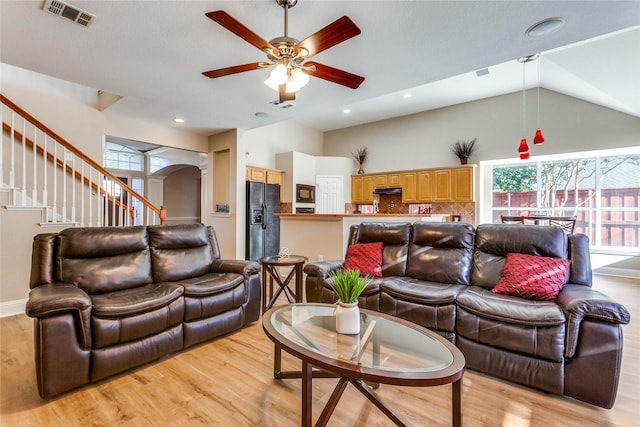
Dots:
pixel 422 140
pixel 182 196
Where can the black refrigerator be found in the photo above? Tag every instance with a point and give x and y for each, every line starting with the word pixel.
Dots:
pixel 263 229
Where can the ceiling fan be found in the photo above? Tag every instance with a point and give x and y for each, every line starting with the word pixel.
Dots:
pixel 288 56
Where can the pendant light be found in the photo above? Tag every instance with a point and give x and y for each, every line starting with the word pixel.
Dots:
pixel 538 139
pixel 523 148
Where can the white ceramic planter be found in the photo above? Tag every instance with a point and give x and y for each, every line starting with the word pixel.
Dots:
pixel 347 318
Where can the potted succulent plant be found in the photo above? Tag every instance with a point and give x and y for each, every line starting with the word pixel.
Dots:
pixel 463 150
pixel 348 285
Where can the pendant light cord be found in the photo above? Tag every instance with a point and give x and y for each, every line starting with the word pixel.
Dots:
pixel 524 101
pixel 538 92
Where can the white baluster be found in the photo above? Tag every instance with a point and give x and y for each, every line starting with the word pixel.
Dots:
pixel 12 168
pixel 45 195
pixel 90 197
pixel 82 186
pixel 73 188
pixel 34 191
pixel 23 191
pixel 64 184
pixel 54 213
pixel 2 145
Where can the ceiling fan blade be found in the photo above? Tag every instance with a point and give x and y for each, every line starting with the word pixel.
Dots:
pixel 230 23
pixel 338 31
pixel 233 70
pixel 335 75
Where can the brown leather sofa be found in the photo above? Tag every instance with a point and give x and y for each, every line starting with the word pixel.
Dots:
pixel 106 300
pixel 440 275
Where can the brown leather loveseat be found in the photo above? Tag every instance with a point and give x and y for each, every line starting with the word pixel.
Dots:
pixel 441 276
pixel 108 299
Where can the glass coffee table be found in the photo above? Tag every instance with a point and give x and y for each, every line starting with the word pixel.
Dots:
pixel 388 350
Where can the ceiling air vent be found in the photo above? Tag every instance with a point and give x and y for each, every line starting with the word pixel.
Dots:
pixel 283 104
pixel 68 11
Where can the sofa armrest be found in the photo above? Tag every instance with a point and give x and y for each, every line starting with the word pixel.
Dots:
pixel 578 302
pixel 55 298
pixel 240 266
pixel 322 269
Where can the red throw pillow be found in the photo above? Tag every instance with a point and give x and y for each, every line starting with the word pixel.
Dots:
pixel 366 258
pixel 532 277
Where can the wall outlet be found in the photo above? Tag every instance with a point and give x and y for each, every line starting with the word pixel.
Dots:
pixel 320 258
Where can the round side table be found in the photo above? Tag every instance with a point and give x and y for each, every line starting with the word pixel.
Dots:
pixel 270 272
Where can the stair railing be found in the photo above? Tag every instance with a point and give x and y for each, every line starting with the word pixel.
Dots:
pixel 45 171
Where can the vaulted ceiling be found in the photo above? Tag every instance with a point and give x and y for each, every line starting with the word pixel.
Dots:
pixel 152 53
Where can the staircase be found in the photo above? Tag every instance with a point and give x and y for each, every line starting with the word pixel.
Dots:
pixel 47 185
pixel 42 171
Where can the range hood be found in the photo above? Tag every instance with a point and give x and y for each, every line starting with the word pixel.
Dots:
pixel 392 190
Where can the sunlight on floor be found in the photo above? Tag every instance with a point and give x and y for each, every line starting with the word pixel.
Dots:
pixel 516 415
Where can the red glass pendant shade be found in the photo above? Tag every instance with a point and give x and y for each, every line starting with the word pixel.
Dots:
pixel 524 148
pixel 538 139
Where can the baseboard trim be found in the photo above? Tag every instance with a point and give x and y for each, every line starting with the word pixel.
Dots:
pixel 11 308
pixel 617 272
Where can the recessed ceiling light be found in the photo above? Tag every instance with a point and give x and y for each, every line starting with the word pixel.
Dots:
pixel 346 111
pixel 406 96
pixel 544 27
pixel 178 120
pixel 261 114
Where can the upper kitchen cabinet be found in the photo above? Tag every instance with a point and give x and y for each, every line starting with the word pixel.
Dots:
pixel 362 189
pixel 408 183
pixel 455 184
pixel 266 175
pixel 462 189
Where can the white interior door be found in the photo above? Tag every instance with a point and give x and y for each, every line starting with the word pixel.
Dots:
pixel 329 199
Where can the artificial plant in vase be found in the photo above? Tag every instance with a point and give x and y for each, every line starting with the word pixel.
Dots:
pixel 360 155
pixel 348 285
pixel 463 150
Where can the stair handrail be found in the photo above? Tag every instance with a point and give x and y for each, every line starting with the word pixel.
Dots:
pixel 161 211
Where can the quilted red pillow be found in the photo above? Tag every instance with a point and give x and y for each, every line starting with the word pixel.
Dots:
pixel 532 277
pixel 366 258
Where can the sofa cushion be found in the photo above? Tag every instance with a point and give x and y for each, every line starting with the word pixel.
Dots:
pixel 365 258
pixel 104 259
pixel 441 252
pixel 494 241
pixel 395 239
pixel 532 277
pixel 533 328
pixel 212 294
pixel 180 252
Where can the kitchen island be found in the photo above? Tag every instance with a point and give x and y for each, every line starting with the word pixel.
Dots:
pixel 324 236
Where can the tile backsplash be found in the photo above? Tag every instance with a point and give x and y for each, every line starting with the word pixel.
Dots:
pixel 392 204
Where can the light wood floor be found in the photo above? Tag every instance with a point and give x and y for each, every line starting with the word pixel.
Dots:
pixel 228 382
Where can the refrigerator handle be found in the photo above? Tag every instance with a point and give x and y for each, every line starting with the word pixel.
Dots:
pixel 264 216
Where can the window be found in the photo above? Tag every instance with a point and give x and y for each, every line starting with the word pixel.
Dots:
pixel 601 189
pixel 118 156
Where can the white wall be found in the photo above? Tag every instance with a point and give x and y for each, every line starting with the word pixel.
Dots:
pixel 422 140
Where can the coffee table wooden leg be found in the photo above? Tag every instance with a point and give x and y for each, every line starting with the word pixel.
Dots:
pixel 307 402
pixel 456 400
pixel 332 402
pixel 373 397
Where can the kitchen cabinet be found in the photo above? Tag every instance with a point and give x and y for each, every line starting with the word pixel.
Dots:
pixel 362 189
pixel 462 185
pixel 394 180
pixel 408 181
pixel 268 176
pixel 380 181
pixel 442 185
pixel 454 184
pixel 424 185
